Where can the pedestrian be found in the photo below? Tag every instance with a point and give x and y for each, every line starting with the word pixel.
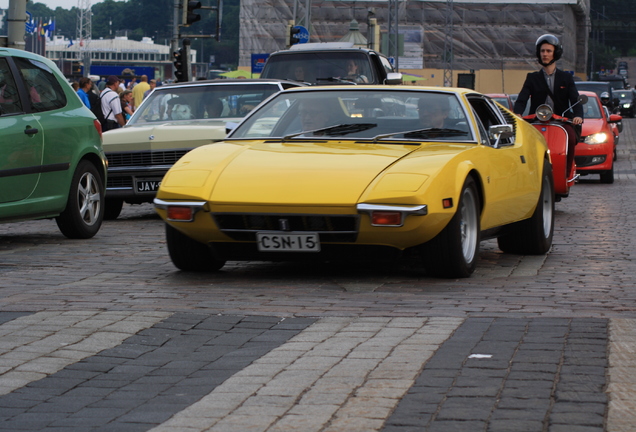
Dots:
pixel 126 104
pixel 153 84
pixel 85 84
pixel 139 90
pixel 553 87
pixel 111 105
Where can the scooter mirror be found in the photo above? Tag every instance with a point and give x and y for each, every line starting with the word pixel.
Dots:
pixel 583 99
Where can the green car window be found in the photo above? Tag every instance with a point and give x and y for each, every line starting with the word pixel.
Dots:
pixel 9 99
pixel 45 91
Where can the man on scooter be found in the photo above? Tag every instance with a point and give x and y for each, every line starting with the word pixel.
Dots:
pixel 553 87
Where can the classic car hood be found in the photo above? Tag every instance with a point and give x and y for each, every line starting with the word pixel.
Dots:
pixel 297 173
pixel 169 135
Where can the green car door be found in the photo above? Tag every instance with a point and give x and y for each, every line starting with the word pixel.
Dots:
pixel 22 142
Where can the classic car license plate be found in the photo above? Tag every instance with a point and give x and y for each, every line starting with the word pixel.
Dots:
pixel 292 242
pixel 148 185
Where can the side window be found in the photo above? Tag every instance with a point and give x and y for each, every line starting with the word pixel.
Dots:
pixel 9 98
pixel 482 131
pixel 486 113
pixel 44 90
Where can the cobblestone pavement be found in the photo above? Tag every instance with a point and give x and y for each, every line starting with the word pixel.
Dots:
pixel 105 334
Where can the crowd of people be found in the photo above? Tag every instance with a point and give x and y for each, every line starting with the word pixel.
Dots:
pixel 112 100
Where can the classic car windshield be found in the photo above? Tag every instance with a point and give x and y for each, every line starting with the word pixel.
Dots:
pixel 217 101
pixel 360 114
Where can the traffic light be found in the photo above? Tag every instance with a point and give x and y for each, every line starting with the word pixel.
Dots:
pixel 182 72
pixel 293 35
pixel 189 8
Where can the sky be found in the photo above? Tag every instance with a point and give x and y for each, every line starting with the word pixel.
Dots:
pixel 52 4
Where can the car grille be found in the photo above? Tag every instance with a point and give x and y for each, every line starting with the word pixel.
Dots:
pixel 145 158
pixel 331 228
pixel 119 182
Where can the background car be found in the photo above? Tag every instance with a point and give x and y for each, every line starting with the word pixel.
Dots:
pixel 503 99
pixel 171 121
pixel 363 172
pixel 325 63
pixel 626 100
pixel 595 151
pixel 51 160
pixel 600 87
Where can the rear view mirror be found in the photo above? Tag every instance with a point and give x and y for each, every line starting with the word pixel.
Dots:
pixel 393 78
pixel 499 132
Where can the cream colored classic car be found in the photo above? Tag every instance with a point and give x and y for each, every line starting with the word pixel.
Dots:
pixel 171 121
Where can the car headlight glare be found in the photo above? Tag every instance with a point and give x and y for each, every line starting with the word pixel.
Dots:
pixel 597 138
pixel 626 106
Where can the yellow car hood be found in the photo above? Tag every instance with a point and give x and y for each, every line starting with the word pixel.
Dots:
pixel 171 135
pixel 301 174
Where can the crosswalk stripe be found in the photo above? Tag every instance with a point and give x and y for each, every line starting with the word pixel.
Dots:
pixel 325 378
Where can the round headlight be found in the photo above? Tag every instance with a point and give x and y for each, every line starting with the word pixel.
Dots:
pixel 544 112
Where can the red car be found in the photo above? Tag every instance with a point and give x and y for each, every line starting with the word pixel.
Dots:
pixel 502 99
pixel 595 151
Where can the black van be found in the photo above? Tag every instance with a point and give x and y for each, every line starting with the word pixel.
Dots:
pixel 326 64
pixel 600 87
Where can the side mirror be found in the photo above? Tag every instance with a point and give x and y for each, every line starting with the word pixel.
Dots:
pixel 615 118
pixel 499 132
pixel 583 99
pixel 393 78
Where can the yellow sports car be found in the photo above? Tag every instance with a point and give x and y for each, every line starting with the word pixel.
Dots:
pixel 363 172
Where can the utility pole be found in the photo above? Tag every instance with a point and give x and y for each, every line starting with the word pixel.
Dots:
pixel 15 24
pixel 394 36
pixel 448 45
pixel 84 34
pixel 303 19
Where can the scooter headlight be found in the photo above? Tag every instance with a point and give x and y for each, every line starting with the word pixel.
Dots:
pixel 597 138
pixel 544 112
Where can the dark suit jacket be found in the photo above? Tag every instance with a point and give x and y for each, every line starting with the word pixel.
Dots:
pixel 565 94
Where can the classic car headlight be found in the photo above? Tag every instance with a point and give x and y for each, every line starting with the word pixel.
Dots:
pixel 544 112
pixel 597 138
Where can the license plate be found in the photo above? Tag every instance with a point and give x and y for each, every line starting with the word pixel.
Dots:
pixel 148 185
pixel 287 242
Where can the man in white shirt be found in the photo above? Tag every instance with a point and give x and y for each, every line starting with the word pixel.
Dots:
pixel 111 105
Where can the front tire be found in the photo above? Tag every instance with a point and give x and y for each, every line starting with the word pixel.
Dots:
pixel 453 252
pixel 607 177
pixel 113 208
pixel 84 212
pixel 534 236
pixel 190 255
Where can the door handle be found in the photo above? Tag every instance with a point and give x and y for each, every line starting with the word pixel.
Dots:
pixel 31 131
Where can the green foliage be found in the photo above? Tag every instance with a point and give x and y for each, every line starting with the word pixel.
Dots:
pixel 613 25
pixel 604 56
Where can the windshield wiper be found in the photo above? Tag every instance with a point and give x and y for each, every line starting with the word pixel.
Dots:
pixel 341 129
pixel 423 133
pixel 337 79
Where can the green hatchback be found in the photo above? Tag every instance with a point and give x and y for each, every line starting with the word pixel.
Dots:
pixel 51 160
